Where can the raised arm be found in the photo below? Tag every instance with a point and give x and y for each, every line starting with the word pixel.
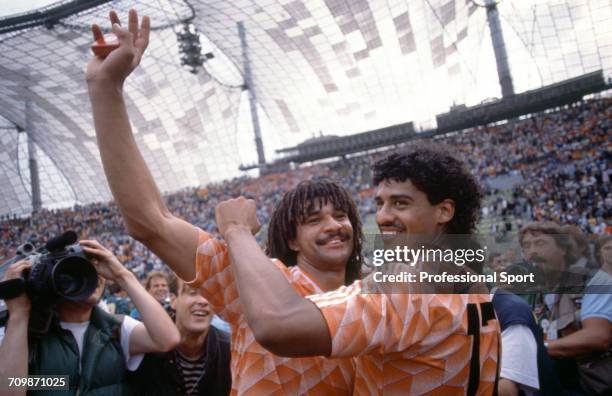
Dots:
pixel 15 342
pixel 282 321
pixel 157 333
pixel 146 217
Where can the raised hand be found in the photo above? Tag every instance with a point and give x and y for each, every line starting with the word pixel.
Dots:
pixel 237 212
pixel 133 42
pixel 105 262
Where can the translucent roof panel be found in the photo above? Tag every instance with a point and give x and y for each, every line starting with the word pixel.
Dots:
pixel 318 66
pixel 12 7
pixel 342 66
pixel 185 124
pixel 14 194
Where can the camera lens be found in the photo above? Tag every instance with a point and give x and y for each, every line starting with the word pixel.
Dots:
pixel 27 248
pixel 74 278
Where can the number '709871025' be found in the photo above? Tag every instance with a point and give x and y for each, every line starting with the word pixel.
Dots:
pixel 37 382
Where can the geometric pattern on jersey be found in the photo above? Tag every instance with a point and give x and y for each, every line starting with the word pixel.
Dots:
pixel 409 344
pixel 255 371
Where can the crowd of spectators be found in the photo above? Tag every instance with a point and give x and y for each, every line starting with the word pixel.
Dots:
pixel 564 161
pixel 557 170
pixel 562 158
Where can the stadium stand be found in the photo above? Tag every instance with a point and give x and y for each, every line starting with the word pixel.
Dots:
pixel 562 158
pixel 296 90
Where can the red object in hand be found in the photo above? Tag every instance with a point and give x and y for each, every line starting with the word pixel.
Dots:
pixel 105 45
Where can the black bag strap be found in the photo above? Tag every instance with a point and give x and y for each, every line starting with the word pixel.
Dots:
pixel 474 324
pixel 117 329
pixel 474 330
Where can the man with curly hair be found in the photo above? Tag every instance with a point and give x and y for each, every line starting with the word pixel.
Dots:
pixel 405 343
pixel 433 189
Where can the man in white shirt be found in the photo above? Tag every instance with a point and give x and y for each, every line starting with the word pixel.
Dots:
pixel 112 344
pixel 519 360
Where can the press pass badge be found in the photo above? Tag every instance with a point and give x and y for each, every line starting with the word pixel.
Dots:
pixel 105 45
pixel 545 324
pixel 551 333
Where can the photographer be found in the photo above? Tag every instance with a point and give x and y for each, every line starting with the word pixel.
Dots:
pixel 590 345
pixel 114 345
pixel 558 303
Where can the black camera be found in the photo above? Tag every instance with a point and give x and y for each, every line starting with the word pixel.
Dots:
pixel 166 303
pixel 60 270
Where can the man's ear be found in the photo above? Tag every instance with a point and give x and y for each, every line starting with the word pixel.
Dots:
pixel 446 211
pixel 293 245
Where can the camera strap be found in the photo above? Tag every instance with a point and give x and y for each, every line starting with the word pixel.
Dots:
pixel 117 330
pixel 32 349
pixel 12 288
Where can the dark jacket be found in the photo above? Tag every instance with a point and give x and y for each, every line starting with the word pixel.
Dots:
pixel 159 373
pixel 513 310
pixel 103 369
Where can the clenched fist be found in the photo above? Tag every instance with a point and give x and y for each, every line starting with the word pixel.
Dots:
pixel 237 212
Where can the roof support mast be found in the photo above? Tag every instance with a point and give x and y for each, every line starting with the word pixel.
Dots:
pixel 499 48
pixel 32 160
pixel 248 82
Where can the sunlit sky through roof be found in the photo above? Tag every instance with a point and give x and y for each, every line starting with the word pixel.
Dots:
pixel 317 69
pixel 10 7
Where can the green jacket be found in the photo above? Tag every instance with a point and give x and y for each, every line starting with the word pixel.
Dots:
pixel 103 368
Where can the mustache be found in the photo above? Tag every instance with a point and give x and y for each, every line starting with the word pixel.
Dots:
pixel 344 236
pixel 394 224
pixel 537 259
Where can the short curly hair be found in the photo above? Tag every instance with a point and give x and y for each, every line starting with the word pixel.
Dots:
pixel 440 175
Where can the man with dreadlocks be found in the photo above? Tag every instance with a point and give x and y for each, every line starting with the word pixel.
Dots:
pixel 315 232
pixel 406 342
pixel 316 227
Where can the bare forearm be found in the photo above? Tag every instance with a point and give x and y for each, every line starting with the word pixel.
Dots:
pixel 281 320
pixel 580 343
pixel 128 175
pixel 15 345
pixel 264 291
pixel 145 214
pixel 155 319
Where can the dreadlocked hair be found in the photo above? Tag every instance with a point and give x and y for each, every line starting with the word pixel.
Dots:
pixel 293 209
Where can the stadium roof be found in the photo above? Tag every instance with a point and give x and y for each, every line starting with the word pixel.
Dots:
pixel 336 66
